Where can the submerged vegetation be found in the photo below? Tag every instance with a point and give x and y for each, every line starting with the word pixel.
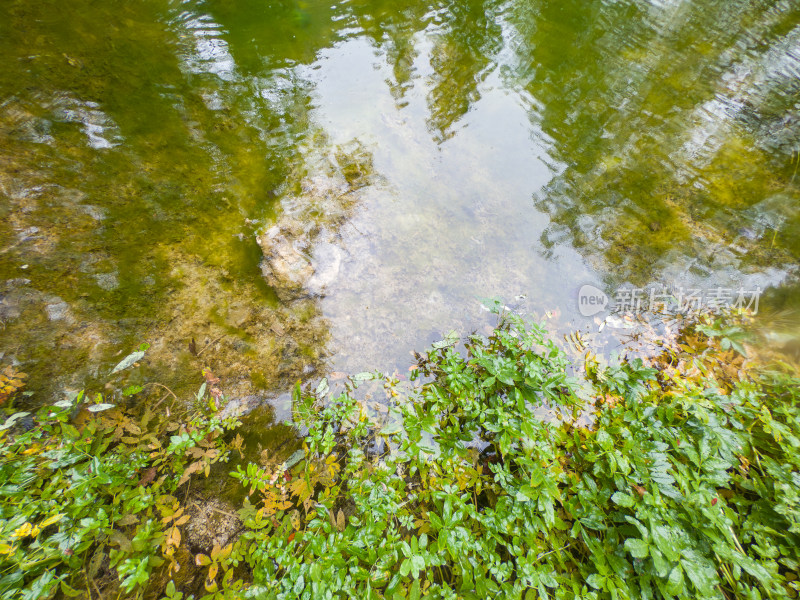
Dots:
pixel 685 485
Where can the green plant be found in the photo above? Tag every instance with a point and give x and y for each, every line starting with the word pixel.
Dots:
pixel 685 485
pixel 85 481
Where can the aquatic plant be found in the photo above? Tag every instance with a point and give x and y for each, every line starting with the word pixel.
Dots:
pixel 685 484
pixel 87 489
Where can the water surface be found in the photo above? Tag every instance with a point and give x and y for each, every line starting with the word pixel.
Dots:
pixel 421 155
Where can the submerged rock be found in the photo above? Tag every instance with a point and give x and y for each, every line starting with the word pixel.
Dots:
pixel 212 522
pixel 107 281
pixel 302 252
pixel 285 268
pixel 57 311
pixel 326 262
pixel 239 407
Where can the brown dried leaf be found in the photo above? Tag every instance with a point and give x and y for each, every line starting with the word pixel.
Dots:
pixel 340 521
pixel 211 379
pixel 148 475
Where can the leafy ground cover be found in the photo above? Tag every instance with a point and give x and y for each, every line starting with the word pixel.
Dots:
pixel 687 484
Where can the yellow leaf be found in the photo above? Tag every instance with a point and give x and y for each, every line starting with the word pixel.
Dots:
pixel 201 560
pixel 132 428
pixel 215 551
pixel 226 552
pixel 23 530
pixel 174 538
pixel 6 549
pixel 294 516
pixel 128 520
pixel 52 519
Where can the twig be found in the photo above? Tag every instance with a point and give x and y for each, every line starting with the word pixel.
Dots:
pixel 222 512
pixel 157 404
pixel 209 344
pixel 86 575
pixel 161 385
pixel 11 247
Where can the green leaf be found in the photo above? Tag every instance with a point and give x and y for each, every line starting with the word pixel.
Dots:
pixel 295 458
pixel 131 390
pixel 703 576
pixel 638 548
pixel 363 376
pixel 675 581
pixel 128 361
pixel 299 584
pixel 450 340
pixel 415 592
pixel 69 591
pixel 392 428
pixel 322 389
pixel 596 581
pixel 405 568
pixel 604 440
pixel 666 542
pixel 13 419
pixel 624 500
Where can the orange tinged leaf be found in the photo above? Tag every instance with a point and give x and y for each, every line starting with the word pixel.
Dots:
pixel 201 560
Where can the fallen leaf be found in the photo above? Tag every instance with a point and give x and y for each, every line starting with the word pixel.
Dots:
pixel 148 475
pixel 120 540
pixel 211 379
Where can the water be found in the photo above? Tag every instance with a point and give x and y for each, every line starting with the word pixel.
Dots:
pixel 418 156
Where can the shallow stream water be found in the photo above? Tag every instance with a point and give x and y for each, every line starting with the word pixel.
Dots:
pixel 418 156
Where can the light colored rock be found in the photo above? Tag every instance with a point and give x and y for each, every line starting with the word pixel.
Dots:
pixel 107 281
pixel 327 262
pixel 285 268
pixel 57 311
